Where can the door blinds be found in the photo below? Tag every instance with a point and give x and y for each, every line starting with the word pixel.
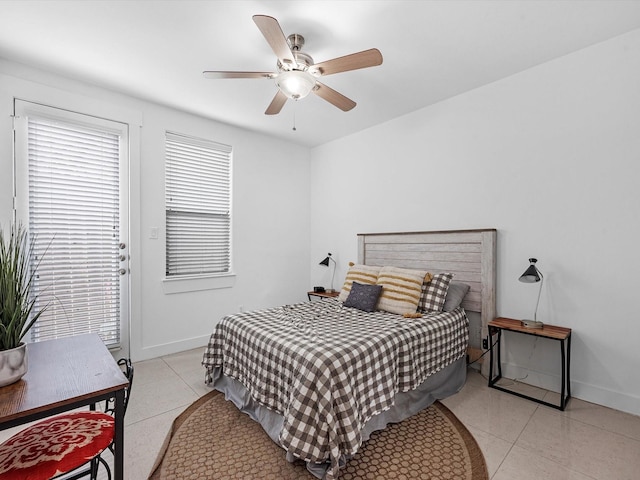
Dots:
pixel 74 228
pixel 198 203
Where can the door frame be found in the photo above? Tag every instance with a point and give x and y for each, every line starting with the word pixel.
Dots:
pixel 21 109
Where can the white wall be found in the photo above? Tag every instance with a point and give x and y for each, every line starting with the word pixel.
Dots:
pixel 550 158
pixel 270 211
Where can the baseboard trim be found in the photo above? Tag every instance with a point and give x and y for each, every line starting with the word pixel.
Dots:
pixel 584 391
pixel 154 351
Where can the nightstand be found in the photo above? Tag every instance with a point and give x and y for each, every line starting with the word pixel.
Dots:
pixel 552 332
pixel 322 294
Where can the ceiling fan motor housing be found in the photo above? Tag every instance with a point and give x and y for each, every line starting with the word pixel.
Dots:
pixel 303 60
pixel 296 41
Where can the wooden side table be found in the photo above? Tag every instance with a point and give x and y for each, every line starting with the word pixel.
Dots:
pixel 322 294
pixel 561 334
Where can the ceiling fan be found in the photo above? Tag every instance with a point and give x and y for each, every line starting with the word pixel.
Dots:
pixel 297 74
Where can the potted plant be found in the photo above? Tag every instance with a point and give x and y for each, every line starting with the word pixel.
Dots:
pixel 17 303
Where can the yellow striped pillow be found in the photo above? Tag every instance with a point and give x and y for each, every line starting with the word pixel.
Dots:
pixel 365 274
pixel 401 289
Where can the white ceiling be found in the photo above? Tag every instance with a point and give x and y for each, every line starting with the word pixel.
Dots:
pixel 432 50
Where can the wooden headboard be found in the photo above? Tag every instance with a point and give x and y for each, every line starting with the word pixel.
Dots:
pixel 469 254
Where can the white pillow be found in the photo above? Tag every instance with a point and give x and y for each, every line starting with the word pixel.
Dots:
pixel 401 289
pixel 364 274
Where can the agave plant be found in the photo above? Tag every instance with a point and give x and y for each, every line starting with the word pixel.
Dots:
pixel 17 303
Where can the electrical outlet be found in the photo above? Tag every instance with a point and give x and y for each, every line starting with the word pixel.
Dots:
pixel 485 343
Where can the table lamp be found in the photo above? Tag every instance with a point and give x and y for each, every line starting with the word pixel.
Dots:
pixel 326 262
pixel 533 275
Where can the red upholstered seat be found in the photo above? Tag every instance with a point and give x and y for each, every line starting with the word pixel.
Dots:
pixel 55 445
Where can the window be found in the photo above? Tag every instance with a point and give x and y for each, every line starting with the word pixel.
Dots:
pixel 75 214
pixel 198 206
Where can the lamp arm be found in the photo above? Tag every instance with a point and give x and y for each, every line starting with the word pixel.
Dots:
pixel 535 313
pixel 334 272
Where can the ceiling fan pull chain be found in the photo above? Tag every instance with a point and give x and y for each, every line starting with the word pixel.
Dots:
pixel 294 114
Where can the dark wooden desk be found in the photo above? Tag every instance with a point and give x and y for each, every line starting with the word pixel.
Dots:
pixel 65 374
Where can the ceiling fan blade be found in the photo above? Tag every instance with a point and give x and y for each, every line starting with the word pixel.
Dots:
pixel 216 75
pixel 330 95
pixel 367 58
pixel 276 104
pixel 271 30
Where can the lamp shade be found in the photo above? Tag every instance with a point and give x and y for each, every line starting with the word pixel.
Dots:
pixel 326 261
pixel 295 84
pixel 531 274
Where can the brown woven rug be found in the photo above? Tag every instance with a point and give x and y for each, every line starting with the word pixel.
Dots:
pixel 212 439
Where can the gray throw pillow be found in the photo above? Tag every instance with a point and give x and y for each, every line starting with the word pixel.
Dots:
pixel 455 295
pixel 363 297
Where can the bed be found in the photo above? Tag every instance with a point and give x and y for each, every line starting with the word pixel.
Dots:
pixel 320 377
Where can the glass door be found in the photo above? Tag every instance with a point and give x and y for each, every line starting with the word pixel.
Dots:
pixel 71 173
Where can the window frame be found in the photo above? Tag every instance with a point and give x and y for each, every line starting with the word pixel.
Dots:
pixel 189 282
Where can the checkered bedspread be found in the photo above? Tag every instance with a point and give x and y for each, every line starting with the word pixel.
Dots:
pixel 328 369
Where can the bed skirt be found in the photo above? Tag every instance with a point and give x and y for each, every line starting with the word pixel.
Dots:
pixel 442 384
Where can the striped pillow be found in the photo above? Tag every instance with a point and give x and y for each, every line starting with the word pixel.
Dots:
pixel 434 293
pixel 401 289
pixel 365 274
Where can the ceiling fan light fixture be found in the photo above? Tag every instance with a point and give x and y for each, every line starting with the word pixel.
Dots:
pixel 295 84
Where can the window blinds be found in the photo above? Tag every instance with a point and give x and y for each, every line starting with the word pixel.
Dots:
pixel 74 228
pixel 198 203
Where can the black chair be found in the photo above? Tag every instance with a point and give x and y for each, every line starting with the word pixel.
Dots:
pixel 109 408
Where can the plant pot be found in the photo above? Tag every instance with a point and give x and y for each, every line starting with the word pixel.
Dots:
pixel 13 364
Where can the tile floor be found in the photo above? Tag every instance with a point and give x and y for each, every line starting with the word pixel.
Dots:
pixel 521 440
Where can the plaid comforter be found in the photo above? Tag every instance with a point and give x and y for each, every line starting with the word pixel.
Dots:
pixel 328 369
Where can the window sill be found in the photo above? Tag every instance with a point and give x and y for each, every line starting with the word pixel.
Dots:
pixel 195 283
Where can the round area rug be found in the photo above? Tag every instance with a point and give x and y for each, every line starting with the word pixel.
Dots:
pixel 212 439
